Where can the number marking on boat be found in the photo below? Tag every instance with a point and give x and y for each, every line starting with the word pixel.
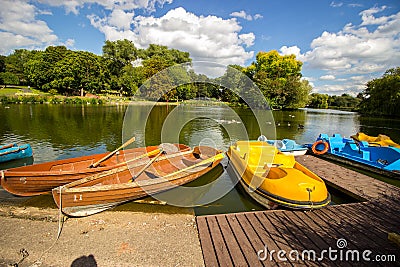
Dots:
pixel 76 198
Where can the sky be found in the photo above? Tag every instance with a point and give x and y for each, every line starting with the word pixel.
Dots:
pixel 342 44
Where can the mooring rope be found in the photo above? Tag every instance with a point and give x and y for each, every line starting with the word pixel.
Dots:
pixel 61 216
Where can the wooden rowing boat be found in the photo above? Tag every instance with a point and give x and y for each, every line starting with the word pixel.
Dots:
pixel 14 151
pixel 41 178
pixel 103 191
pixel 274 179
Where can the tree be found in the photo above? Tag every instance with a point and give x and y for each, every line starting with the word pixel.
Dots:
pixel 2 63
pixel 119 54
pixel 278 78
pixel 318 100
pixel 9 78
pixel 15 63
pixel 78 70
pixel 382 95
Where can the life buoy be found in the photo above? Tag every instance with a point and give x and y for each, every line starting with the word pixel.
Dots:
pixel 320 152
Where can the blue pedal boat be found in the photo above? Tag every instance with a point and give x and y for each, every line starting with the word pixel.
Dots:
pixel 286 146
pixel 14 151
pixel 379 159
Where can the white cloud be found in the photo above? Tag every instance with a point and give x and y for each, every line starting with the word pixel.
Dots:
pixel 327 77
pixel 247 38
pixel 19 27
pixel 368 18
pixel 207 38
pixel 336 4
pixel 356 49
pixel 257 16
pixel 292 50
pixel 242 14
pixel 120 19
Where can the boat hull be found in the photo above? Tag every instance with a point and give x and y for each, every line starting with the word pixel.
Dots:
pixel 14 152
pixel 112 189
pixel 41 178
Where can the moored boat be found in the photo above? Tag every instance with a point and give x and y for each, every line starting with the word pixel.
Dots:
pixel 286 146
pixel 274 179
pixel 41 178
pixel 100 192
pixel 14 151
pixel 380 140
pixel 380 159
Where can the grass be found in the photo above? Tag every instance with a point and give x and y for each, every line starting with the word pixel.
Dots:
pixel 9 91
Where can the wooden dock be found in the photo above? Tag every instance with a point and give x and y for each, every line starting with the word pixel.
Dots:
pixel 340 235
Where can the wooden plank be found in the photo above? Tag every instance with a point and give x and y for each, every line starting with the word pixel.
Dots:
pixel 220 247
pixel 377 238
pixel 255 238
pixel 270 223
pixel 242 236
pixel 307 241
pixel 354 218
pixel 353 232
pixel 209 256
pixel 387 220
pixel 234 248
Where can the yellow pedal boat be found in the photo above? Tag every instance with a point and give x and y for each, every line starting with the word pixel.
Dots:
pixel 380 140
pixel 274 179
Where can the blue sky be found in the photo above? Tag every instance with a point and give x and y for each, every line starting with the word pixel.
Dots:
pixel 343 44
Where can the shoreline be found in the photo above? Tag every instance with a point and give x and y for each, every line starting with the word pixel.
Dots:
pixel 110 238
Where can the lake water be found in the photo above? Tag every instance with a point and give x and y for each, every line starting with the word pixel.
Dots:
pixel 64 131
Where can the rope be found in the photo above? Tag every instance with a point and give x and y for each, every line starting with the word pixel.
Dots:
pixel 61 216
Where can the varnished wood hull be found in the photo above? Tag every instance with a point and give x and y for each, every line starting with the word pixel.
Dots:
pixel 101 194
pixel 41 178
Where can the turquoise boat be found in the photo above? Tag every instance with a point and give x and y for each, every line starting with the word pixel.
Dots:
pixel 380 159
pixel 14 151
pixel 286 146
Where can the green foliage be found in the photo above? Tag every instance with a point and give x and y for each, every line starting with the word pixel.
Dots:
pixel 382 95
pixel 344 101
pixel 2 63
pixel 278 78
pixel 9 78
pixel 123 69
pixel 318 100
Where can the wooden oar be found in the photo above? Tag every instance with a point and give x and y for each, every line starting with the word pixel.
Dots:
pixel 94 165
pixel 203 162
pixel 121 169
pixel 148 164
pixel 112 171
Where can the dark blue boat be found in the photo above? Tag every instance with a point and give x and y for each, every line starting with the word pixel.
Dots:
pixel 384 159
pixel 14 151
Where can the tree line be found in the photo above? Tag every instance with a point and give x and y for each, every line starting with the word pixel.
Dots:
pixel 344 101
pixel 123 68
pixel 380 97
